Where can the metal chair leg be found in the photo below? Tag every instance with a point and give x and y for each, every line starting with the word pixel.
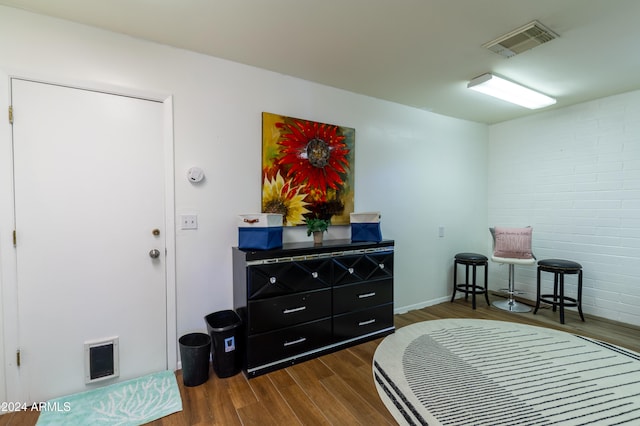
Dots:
pixel 510 304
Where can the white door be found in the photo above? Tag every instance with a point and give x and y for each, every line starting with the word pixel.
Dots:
pixel 89 208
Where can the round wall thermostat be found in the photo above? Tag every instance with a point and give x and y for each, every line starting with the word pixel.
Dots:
pixel 195 174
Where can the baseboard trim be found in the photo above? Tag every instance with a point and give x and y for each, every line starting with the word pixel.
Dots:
pixel 405 309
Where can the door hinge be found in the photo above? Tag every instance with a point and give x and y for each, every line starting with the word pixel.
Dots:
pixel 10 114
pixel 15 238
pixel 18 358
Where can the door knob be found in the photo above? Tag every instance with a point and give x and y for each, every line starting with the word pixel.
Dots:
pixel 154 254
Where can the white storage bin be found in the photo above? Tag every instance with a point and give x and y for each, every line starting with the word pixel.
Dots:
pixel 259 220
pixel 367 217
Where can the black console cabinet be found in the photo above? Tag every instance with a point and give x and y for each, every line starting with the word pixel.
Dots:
pixel 303 300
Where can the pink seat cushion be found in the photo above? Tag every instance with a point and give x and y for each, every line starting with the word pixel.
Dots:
pixel 513 243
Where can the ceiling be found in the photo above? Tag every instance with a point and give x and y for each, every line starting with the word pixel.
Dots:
pixel 419 53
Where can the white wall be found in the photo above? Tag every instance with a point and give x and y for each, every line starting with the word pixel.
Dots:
pixel 419 169
pixel 574 175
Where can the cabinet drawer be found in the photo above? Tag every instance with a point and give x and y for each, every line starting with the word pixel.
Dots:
pixel 367 267
pixel 287 277
pixel 283 311
pixel 277 345
pixel 356 324
pixel 355 297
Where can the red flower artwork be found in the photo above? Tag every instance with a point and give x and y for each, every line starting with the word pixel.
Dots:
pixel 315 158
pixel 313 154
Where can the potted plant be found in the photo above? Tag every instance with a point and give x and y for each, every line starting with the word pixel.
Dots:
pixel 316 227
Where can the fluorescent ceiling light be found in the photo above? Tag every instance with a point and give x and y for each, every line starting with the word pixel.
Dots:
pixel 508 91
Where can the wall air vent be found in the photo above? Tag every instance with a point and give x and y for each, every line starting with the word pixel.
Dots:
pixel 521 39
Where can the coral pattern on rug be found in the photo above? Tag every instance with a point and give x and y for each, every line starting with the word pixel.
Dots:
pixel 130 403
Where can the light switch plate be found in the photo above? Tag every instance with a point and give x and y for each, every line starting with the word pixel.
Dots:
pixel 189 221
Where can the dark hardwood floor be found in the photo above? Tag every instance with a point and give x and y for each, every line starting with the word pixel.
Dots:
pixel 338 388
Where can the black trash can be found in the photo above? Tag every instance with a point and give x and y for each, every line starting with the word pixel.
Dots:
pixel 194 353
pixel 225 330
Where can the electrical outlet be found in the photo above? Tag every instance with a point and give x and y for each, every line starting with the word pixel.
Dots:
pixel 189 221
pixel 441 231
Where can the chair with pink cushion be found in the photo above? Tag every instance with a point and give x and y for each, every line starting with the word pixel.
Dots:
pixel 512 246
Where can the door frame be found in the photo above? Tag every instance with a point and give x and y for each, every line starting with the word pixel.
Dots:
pixel 11 390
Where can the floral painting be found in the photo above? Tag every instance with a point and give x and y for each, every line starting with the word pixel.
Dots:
pixel 307 169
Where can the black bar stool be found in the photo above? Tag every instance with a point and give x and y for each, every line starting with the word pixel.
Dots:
pixel 474 260
pixel 560 267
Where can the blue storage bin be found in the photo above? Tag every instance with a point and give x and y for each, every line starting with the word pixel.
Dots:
pixel 260 238
pixel 366 232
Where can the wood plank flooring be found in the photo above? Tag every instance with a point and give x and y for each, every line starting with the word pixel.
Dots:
pixel 338 388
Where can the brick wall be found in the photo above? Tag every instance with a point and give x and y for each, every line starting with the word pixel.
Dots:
pixel 573 174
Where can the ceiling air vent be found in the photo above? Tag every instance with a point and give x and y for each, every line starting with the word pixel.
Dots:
pixel 521 39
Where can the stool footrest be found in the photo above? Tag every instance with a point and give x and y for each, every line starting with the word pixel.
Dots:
pixel 470 288
pixel 507 291
pixel 551 300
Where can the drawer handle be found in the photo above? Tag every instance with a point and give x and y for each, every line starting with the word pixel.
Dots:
pixel 295 342
pixel 365 295
pixel 381 265
pixel 314 274
pixel 292 310
pixel 350 270
pixel 371 321
pixel 272 280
